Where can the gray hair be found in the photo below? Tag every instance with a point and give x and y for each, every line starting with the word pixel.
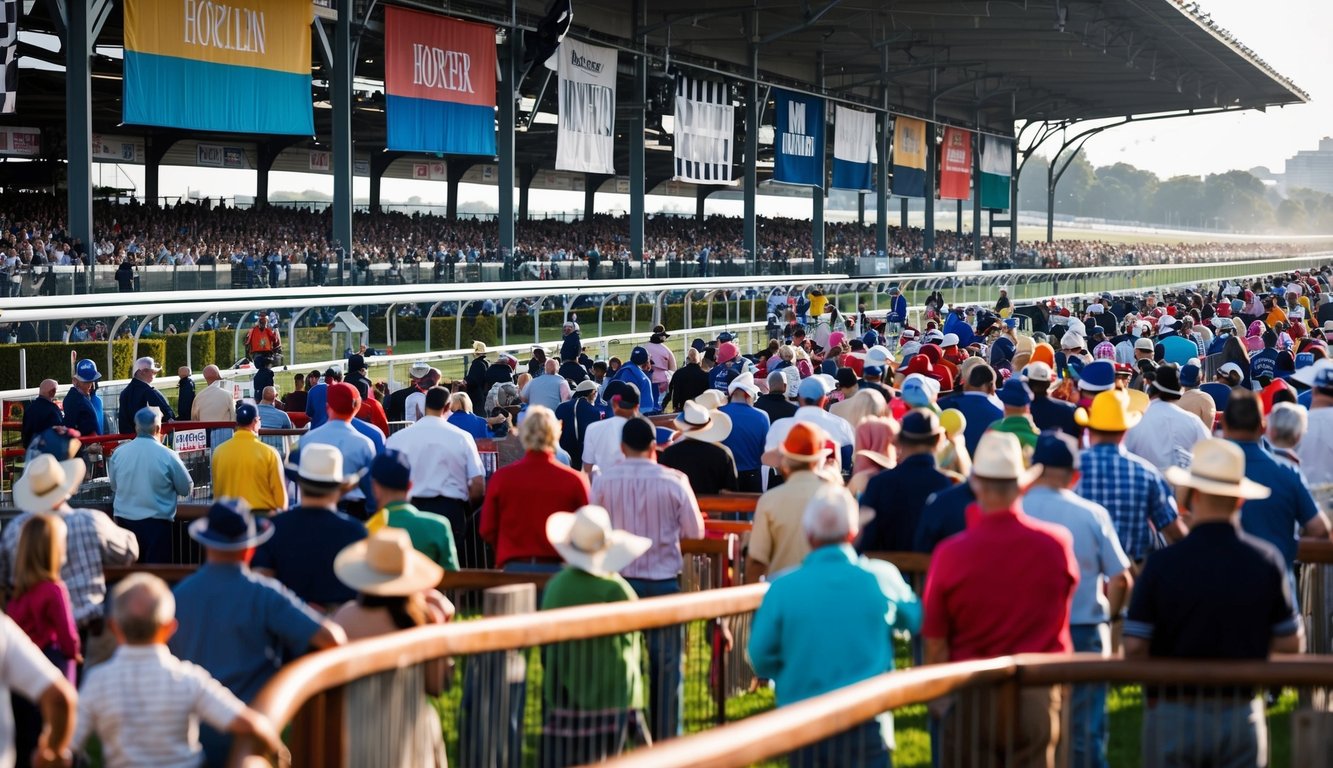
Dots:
pixel 1286 425
pixel 831 516
pixel 777 382
pixel 141 604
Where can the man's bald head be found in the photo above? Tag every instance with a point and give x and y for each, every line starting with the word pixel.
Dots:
pixel 551 367
pixel 212 374
pixel 47 388
pixel 269 394
pixel 143 609
pixel 183 371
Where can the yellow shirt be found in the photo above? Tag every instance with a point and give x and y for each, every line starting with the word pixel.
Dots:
pixel 245 468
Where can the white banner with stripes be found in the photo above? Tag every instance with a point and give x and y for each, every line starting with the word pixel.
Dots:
pixel 705 131
pixel 9 55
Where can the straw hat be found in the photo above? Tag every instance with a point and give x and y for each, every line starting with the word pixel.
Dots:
pixel 1110 412
pixel 700 423
pixel 999 456
pixel 1218 468
pixel 478 348
pixel 745 383
pixel 323 465
pixel 712 399
pixel 586 540
pixel 47 482
pixel 386 564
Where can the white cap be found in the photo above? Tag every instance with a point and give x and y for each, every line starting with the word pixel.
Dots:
pixel 146 364
pixel 1038 371
pixel 1144 345
pixel 949 340
pixel 1072 340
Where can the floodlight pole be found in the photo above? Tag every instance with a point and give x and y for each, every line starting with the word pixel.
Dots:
pixel 510 55
pixel 637 125
pixel 751 170
pixel 79 127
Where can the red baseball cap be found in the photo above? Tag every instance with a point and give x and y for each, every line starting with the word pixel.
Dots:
pixel 343 399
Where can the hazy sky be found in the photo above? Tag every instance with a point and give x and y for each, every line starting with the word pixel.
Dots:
pixel 1291 35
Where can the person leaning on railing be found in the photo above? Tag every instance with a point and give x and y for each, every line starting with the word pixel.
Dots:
pixel 1217 594
pixel 139 393
pixel 147 478
pixel 245 467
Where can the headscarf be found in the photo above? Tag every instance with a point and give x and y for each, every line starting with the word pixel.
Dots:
pixel 878 434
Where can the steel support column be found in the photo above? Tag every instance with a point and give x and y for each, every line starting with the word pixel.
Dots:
pixel 902 223
pixel 510 55
pixel 751 156
pixel 818 192
pixel 928 231
pixel 976 190
pixel 79 124
pixel 341 96
pixel 527 174
pixel 1014 171
pixel 637 125
pixel 882 182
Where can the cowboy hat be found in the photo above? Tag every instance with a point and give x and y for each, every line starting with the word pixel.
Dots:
pixel 1218 468
pixel 745 383
pixel 712 399
pixel 386 564
pixel 1110 412
pixel 478 348
pixel 804 443
pixel 700 423
pixel 586 540
pixel 419 370
pixel 322 465
pixel 999 456
pixel 230 527
pixel 46 482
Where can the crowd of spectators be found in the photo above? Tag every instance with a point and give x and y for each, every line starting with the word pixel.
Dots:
pixel 1078 484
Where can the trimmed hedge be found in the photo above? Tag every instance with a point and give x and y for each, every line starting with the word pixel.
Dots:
pixel 51 360
pixel 203 352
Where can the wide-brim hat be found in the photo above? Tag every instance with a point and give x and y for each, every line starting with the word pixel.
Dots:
pixel 1218 467
pixel 586 540
pixel 322 465
pixel 386 564
pixel 883 460
pixel 999 456
pixel 478 348
pixel 745 383
pixel 1110 412
pixel 699 423
pixel 46 482
pixel 230 527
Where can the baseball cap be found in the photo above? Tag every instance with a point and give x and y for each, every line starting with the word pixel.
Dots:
pixel 1038 371
pixel 1144 344
pixel 920 424
pixel 356 363
pixel 628 393
pixel 1231 369
pixel 587 385
pixel 920 391
pixel 638 356
pixel 1097 376
pixel 391 470
pixel 1015 393
pixel 419 369
pixel 1189 376
pixel 343 399
pixel 872 370
pixel 724 336
pixel 813 388
pixel 246 414
pixel 1055 449
pixel 86 371
pixel 146 364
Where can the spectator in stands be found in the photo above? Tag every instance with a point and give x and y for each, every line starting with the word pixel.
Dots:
pixel 635 373
pixel 688 383
pixel 663 362
pixel 447 475
pixel 749 430
pixel 1218 594
pixel 593 690
pixel 1002 586
pixel 650 500
pixel 80 412
pixel 395 590
pixel 548 390
pixel 184 390
pixel 476 373
pixel 1195 401
pixel 247 468
pixel 1100 559
pixel 26 672
pixel 307 537
pixel 778 542
pixel 371 413
pixel 316 400
pixel 130 733
pixel 866 599
pixel 395 405
pixel 1316 448
pixel 1017 420
pixel 774 402
pixel 262 341
pixel 41 413
pixel 577 414
pixel 356 449
pixel 898 495
pixel 236 624
pixel 147 478
pixel 414 406
pixel 699 453
pixel 431 535
pixel 521 497
pixel 1048 412
pixel 263 374
pixel 812 393
pixel 215 402
pixel 602 441
pixel 272 416
pixel 356 376
pixel 294 401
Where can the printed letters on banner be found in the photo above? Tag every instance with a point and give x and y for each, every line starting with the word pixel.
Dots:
pixel 956 164
pixel 705 131
pixel 439 83
pixel 587 135
pixel 9 55
pixel 240 66
pixel 798 139
pixel 909 157
pixel 853 149
pixel 997 158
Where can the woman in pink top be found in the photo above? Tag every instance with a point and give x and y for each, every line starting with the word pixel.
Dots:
pixel 41 604
pixel 663 360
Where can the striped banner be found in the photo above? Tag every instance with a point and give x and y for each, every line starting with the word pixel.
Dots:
pixel 997 158
pixel 909 157
pixel 704 132
pixel 9 55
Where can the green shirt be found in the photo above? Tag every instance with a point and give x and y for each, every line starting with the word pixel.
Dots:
pixel 602 673
pixel 431 536
pixel 1021 427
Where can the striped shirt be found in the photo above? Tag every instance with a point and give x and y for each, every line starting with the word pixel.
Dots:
pixel 1131 490
pixel 145 706
pixel 648 499
pixel 92 541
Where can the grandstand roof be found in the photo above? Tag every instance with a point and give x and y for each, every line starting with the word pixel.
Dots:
pixel 1031 60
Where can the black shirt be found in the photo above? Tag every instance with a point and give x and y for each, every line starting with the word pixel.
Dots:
pixel 686 384
pixel 776 406
pixel 1218 594
pixel 136 396
pixel 40 415
pixel 710 467
pixel 1048 413
pixel 395 406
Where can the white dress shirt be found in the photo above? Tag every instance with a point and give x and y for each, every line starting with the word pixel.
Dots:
pixel 601 443
pixel 443 458
pixel 836 427
pixel 23 670
pixel 1166 435
pixel 1316 448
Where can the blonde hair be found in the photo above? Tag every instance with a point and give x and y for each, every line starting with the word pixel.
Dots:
pixel 460 401
pixel 41 552
pixel 539 430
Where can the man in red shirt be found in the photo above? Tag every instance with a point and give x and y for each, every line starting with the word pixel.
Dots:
pixel 262 340
pixel 1003 586
pixel 520 497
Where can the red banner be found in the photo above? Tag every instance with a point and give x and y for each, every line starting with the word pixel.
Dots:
pixel 956 164
pixel 438 58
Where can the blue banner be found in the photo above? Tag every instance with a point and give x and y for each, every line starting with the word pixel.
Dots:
pixel 798 139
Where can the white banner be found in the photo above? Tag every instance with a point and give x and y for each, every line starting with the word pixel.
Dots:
pixel 9 55
pixel 705 131
pixel 586 140
pixel 117 149
pixel 21 142
pixel 853 149
pixel 321 161
pixel 189 440
pixel 429 171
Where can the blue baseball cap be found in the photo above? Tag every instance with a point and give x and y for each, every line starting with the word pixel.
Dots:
pixel 872 370
pixel 1303 359
pixel 812 388
pixel 246 413
pixel 86 371
pixel 725 337
pixel 919 391
pixel 391 470
pixel 1189 375
pixel 1015 393
pixel 1097 376
pixel 638 356
pixel 1055 449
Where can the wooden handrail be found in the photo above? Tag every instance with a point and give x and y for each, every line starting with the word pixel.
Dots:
pixel 311 675
pixel 781 731
pixel 907 562
pixel 729 503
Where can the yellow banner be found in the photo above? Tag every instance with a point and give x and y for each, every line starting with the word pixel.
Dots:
pixel 909 142
pixel 267 34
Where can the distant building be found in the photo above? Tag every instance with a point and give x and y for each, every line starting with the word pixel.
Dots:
pixel 1311 169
